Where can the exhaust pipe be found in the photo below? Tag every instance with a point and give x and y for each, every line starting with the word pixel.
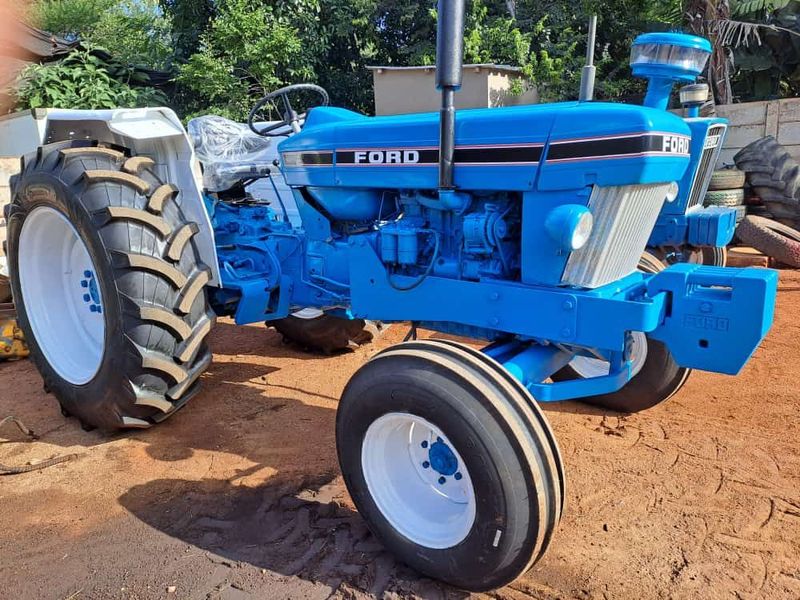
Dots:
pixel 449 50
pixel 589 72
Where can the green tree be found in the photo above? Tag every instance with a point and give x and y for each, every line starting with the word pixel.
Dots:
pixel 248 49
pixel 134 31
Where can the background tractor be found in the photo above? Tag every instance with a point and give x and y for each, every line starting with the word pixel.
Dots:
pixel 521 226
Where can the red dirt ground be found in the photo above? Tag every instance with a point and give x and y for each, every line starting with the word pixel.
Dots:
pixel 239 496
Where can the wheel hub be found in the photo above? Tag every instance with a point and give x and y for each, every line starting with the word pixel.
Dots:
pixel 92 297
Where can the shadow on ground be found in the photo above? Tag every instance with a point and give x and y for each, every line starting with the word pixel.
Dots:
pixel 306 533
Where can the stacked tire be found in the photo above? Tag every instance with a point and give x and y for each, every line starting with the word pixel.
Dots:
pixel 727 189
pixel 774 177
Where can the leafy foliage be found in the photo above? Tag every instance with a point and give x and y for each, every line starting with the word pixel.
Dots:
pixel 226 54
pixel 80 81
pixel 134 31
pixel 249 49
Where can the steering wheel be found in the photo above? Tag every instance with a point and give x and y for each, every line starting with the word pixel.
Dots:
pixel 290 116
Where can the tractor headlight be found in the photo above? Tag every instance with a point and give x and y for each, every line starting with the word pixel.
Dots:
pixel 672 191
pixel 570 226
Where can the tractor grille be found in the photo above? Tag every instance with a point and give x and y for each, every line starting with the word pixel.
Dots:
pixel 624 216
pixel 702 176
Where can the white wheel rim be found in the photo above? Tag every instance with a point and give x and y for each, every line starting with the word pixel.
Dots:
pixel 418 480
pixel 62 299
pixel 587 367
pixel 308 313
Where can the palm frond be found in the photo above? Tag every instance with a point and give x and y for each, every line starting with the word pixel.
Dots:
pixel 737 34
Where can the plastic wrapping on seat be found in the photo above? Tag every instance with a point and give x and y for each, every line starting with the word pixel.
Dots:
pixel 228 151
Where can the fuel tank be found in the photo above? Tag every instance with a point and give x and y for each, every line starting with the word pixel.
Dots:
pixel 546 147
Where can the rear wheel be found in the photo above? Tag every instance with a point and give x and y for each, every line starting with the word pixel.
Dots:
pixel 108 284
pixel 655 376
pixel 315 330
pixel 451 464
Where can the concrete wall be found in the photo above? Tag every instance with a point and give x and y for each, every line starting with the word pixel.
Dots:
pixel 753 120
pixel 412 90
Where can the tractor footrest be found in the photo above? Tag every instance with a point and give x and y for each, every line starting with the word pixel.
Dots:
pixel 716 317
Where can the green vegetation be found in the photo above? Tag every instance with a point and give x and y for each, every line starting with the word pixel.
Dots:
pixel 224 54
pixel 82 81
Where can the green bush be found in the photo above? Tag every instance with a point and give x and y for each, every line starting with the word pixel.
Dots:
pixel 80 81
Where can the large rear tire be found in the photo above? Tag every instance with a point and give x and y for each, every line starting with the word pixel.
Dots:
pixel 656 375
pixel 108 284
pixel 451 464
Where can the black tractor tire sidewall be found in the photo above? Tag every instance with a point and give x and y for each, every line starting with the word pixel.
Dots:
pixel 155 345
pixel 659 378
pixel 472 563
pixel 109 383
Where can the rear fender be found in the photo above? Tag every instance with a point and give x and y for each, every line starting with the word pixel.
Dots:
pixel 153 132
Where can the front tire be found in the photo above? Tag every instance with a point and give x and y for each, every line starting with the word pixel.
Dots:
pixel 451 465
pixel 657 377
pixel 109 286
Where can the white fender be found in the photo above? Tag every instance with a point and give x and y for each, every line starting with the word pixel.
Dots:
pixel 153 132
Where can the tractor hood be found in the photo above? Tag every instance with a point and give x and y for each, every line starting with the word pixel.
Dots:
pixel 546 147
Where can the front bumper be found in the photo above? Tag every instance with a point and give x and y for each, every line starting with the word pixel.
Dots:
pixel 717 316
pixel 711 226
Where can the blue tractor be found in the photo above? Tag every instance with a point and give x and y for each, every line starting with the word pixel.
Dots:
pixel 520 226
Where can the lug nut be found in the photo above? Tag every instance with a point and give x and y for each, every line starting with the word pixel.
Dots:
pixel 426 464
pixel 442 480
pixel 424 444
pixel 458 476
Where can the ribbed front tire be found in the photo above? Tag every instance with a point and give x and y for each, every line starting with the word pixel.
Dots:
pixel 451 463
pixel 147 281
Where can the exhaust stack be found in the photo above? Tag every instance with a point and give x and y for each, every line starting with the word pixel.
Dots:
pixel 449 50
pixel 589 72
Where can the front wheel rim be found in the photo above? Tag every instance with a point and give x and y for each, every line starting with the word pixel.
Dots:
pixel 61 295
pixel 418 480
pixel 587 367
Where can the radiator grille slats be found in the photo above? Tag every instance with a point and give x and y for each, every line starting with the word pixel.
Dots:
pixel 624 216
pixel 707 163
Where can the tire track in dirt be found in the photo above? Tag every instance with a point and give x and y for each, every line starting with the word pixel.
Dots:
pixel 307 532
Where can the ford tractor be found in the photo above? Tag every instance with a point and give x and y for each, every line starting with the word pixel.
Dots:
pixel 522 227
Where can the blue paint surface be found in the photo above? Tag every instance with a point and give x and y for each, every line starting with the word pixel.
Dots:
pixel 442 458
pixel 379 241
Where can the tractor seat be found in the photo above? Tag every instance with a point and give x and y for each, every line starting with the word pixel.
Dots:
pixel 230 152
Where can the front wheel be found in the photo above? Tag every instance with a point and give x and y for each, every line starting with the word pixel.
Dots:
pixel 655 376
pixel 451 464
